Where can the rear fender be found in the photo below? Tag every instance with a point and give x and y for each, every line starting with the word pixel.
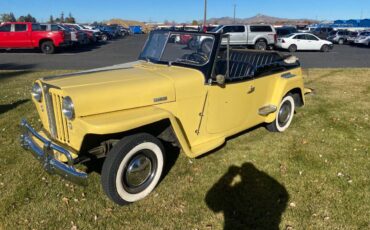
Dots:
pixel 285 85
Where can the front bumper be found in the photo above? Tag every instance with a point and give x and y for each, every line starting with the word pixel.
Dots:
pixel 45 155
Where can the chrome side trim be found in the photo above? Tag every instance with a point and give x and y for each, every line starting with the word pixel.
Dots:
pixel 288 75
pixel 45 155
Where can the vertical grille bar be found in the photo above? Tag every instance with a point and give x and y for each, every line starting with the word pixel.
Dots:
pixel 64 120
pixel 57 117
pixel 61 126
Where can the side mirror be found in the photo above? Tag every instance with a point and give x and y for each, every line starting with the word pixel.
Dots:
pixel 220 79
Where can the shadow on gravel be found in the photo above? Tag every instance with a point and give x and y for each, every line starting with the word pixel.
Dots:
pixel 7 107
pixel 249 199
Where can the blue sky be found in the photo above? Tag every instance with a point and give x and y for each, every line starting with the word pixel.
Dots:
pixel 187 10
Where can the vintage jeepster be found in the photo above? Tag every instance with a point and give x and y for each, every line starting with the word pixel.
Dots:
pixel 191 94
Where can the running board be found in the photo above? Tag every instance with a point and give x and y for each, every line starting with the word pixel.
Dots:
pixel 266 110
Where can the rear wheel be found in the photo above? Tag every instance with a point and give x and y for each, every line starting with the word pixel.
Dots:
pixel 284 115
pixel 104 37
pixel 292 48
pixel 260 45
pixel 47 47
pixel 133 168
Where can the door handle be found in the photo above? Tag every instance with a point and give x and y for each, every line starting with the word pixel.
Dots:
pixel 251 89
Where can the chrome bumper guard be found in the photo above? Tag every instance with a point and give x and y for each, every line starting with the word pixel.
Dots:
pixel 45 155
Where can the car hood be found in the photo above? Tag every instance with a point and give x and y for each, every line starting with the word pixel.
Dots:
pixel 107 90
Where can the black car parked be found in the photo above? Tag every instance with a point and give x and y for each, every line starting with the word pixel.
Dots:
pixel 283 31
pixel 322 32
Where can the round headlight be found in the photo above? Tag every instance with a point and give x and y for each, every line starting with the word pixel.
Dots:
pixel 68 108
pixel 37 92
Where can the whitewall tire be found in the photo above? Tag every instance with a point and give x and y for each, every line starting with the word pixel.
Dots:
pixel 284 115
pixel 133 168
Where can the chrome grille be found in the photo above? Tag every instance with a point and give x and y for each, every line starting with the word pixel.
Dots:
pixel 61 122
pixel 58 126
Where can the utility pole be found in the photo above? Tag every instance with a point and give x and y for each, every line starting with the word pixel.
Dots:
pixel 234 12
pixel 205 15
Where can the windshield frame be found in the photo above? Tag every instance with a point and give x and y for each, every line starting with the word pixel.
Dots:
pixel 206 68
pixel 166 42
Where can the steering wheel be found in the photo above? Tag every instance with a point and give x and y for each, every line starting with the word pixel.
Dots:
pixel 199 58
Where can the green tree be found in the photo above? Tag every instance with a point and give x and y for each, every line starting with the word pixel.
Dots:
pixel 28 18
pixel 8 17
pixel 51 19
pixel 194 22
pixel 21 19
pixel 70 19
pixel 62 17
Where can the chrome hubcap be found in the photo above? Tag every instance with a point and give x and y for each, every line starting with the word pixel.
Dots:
pixel 139 170
pixel 284 113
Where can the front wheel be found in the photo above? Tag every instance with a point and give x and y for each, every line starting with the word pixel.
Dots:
pixel 325 48
pixel 133 168
pixel 284 115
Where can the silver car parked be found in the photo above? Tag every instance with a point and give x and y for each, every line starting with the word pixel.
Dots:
pixel 363 39
pixel 259 36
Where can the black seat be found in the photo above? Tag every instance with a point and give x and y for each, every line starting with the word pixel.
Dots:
pixel 238 70
pixel 256 59
pixel 244 64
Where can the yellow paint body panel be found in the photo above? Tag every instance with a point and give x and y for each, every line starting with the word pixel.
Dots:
pixel 202 115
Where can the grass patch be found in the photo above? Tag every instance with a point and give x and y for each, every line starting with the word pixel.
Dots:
pixel 314 176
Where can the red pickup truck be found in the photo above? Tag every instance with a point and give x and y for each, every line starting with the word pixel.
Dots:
pixel 26 35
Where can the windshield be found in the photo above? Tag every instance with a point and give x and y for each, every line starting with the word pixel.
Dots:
pixel 185 48
pixel 288 35
pixel 216 29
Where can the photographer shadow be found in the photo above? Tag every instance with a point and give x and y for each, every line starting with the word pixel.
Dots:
pixel 248 198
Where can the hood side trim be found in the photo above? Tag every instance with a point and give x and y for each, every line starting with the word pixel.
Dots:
pixel 128 65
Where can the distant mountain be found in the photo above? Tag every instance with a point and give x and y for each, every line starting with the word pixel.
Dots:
pixel 259 18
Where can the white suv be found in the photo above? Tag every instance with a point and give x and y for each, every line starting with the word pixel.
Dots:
pixel 259 36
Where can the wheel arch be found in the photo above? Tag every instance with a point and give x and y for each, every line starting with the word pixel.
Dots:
pixel 260 39
pixel 45 40
pixel 297 96
pixel 164 126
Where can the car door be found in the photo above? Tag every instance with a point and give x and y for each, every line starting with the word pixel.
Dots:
pixel 230 31
pixel 21 36
pixel 299 41
pixel 313 43
pixel 239 35
pixel 5 41
pixel 230 106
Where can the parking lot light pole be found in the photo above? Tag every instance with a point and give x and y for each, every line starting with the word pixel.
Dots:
pixel 205 16
pixel 234 12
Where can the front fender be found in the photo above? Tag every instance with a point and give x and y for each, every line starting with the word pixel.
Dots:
pixel 121 121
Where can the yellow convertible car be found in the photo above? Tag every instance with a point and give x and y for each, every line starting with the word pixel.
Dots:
pixel 192 93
